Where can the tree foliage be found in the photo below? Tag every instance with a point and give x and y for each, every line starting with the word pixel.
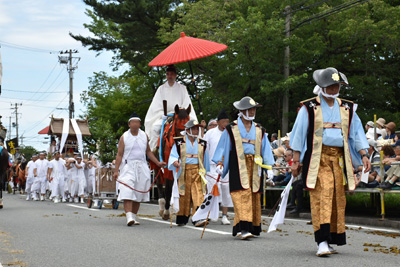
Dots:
pixel 363 42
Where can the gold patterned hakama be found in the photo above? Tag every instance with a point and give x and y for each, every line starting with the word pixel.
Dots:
pixel 247 205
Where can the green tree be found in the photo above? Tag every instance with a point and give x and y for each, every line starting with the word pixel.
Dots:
pixel 28 151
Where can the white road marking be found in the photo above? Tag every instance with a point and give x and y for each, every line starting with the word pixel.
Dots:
pixel 306 220
pixel 186 226
pixel 79 207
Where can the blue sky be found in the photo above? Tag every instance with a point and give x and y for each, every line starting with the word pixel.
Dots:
pixel 45 25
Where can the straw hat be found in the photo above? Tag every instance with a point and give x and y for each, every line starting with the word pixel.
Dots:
pixel 381 122
pixel 279 152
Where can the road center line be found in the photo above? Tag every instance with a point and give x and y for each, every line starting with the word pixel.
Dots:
pixel 186 226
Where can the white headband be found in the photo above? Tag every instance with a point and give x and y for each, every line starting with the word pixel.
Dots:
pixel 134 118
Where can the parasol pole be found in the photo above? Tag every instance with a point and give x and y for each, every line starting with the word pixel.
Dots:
pixel 162 130
pixel 197 93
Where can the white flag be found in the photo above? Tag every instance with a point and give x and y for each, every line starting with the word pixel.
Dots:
pixel 210 204
pixel 175 194
pixel 279 216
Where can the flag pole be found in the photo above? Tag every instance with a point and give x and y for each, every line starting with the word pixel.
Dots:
pixel 172 213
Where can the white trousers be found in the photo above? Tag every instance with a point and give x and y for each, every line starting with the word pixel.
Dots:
pixel 57 186
pixel 78 185
pixel 39 185
pixel 29 184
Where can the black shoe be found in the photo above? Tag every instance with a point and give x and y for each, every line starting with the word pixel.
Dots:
pixel 294 211
pixel 281 183
pixel 291 206
pixel 386 185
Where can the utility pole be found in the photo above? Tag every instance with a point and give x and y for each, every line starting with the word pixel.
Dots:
pixel 70 69
pixel 9 132
pixel 16 117
pixel 286 73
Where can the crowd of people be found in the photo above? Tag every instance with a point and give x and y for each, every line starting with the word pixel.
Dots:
pixel 59 179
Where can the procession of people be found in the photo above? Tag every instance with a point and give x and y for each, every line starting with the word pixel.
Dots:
pixel 235 156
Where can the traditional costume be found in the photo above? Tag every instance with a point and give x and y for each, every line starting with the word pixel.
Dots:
pixel 212 137
pixel 78 180
pixel 194 163
pixel 238 150
pixel 328 139
pixel 58 171
pixel 40 183
pixel 134 176
pixel 175 95
pixel 30 176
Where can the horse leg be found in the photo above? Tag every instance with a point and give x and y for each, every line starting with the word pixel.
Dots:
pixel 160 190
pixel 168 194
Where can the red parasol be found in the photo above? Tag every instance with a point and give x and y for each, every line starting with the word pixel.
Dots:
pixel 186 49
pixel 45 130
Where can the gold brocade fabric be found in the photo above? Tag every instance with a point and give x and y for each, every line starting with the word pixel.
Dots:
pixel 328 200
pixel 193 196
pixel 247 205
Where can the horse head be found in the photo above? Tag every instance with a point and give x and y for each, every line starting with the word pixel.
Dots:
pixel 181 117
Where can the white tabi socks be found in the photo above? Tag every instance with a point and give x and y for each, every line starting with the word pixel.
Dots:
pixel 323 249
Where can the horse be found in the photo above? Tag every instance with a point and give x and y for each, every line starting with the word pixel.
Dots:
pixel 21 175
pixel 172 128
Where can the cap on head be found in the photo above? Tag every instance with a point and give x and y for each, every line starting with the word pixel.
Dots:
pixel 192 123
pixel 246 103
pixel 171 68
pixel 329 76
pixel 134 116
pixel 222 115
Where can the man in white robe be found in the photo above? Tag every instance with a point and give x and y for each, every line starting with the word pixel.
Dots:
pixel 212 137
pixel 57 173
pixel 40 173
pixel 175 94
pixel 132 170
pixel 30 176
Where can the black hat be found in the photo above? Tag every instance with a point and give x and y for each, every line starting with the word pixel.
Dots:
pixel 134 116
pixel 171 68
pixel 329 76
pixel 246 103
pixel 192 123
pixel 222 115
pixel 55 152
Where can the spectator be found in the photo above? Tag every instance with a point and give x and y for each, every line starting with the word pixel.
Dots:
pixel 282 180
pixel 380 123
pixel 369 125
pixel 393 173
pixel 286 141
pixel 396 140
pixel 374 177
pixel 390 129
pixel 371 132
pixel 274 141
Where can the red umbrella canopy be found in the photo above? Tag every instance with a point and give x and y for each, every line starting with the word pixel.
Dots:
pixel 45 130
pixel 186 49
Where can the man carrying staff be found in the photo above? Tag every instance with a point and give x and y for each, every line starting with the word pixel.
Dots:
pixel 328 141
pixel 131 169
pixel 30 178
pixel 190 156
pixel 175 94
pixel 243 147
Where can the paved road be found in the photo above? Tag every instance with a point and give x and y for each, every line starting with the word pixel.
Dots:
pixel 46 234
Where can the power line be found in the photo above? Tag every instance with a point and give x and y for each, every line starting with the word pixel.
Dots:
pixel 32 92
pixel 337 9
pixel 27 48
